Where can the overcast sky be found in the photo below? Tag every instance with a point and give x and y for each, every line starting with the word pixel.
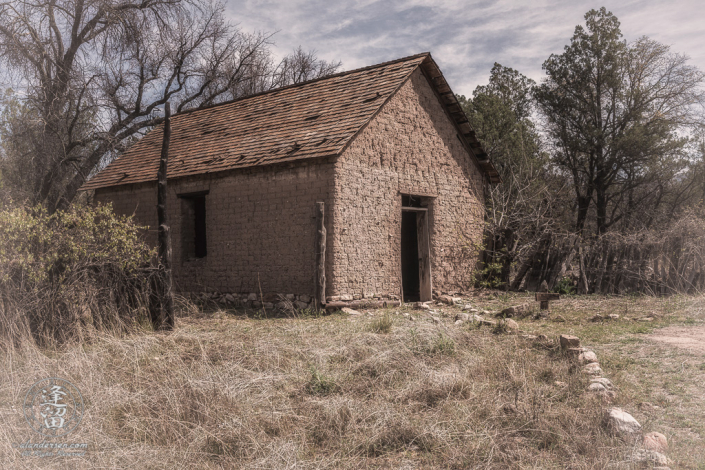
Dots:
pixel 464 37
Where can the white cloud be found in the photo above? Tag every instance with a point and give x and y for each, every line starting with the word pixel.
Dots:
pixel 465 37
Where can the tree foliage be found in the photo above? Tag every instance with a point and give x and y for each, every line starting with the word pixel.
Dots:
pixel 90 76
pixel 521 208
pixel 617 115
pixel 600 162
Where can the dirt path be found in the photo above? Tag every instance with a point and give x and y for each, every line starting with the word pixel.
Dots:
pixel 690 338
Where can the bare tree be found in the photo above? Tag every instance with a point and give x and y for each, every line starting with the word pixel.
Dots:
pixel 91 76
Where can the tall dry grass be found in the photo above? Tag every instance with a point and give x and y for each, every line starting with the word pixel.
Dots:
pixel 237 392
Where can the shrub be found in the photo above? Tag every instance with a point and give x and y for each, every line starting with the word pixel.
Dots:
pixel 565 286
pixel 319 384
pixel 65 273
pixel 382 324
pixel 443 345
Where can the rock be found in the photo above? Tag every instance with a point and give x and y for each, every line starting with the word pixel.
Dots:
pixel 486 312
pixel 541 337
pixel 346 297
pixel 252 297
pixel 656 442
pixel 305 298
pixel 281 305
pixel 300 305
pixel 597 318
pixel 575 352
pixel 511 324
pixel 515 311
pixel 558 319
pixel 268 305
pixel 435 319
pixel 605 382
pixel 405 314
pixel 459 322
pixel 613 316
pixel 482 321
pixel 456 300
pixel 473 310
pixel 597 387
pixel 649 457
pixel 467 307
pixel 462 316
pixel 421 306
pixel 568 341
pixel 350 311
pixel 558 383
pixel 544 286
pixel 592 369
pixel 330 298
pixel 446 299
pixel 587 357
pixel 530 337
pixel 620 422
pixel 368 295
pixel 646 319
pixel 229 298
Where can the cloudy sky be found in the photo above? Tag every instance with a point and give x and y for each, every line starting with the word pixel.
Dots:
pixel 464 37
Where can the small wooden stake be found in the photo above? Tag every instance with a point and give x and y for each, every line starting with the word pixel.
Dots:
pixel 165 319
pixel 544 297
pixel 320 294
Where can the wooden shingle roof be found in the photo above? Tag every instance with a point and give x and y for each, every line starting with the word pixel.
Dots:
pixel 312 119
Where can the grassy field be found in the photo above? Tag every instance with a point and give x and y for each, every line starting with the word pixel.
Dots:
pixel 233 389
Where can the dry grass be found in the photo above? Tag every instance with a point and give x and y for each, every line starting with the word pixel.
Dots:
pixel 226 390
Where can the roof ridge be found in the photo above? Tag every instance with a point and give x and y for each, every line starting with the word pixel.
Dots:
pixel 313 80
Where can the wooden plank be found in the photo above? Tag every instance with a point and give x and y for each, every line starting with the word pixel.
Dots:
pixel 546 296
pixel 363 304
pixel 414 209
pixel 320 294
pixel 422 234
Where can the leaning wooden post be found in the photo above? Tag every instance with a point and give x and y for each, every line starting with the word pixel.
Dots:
pixel 320 295
pixel 166 314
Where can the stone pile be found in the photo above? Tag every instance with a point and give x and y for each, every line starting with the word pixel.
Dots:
pixel 254 300
pixel 654 444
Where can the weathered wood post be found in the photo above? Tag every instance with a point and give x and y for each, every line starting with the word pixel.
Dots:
pixel 166 313
pixel 320 294
pixel 543 296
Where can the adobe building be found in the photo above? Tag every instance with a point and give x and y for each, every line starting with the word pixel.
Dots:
pixel 386 149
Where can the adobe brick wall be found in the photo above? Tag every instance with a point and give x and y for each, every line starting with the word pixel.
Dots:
pixel 259 220
pixel 410 147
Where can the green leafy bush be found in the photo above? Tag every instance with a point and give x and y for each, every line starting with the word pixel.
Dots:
pixel 565 286
pixel 65 273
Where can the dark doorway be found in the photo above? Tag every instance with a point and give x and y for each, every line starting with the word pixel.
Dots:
pixel 409 257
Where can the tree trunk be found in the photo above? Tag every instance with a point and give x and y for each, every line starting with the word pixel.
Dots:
pixel 166 313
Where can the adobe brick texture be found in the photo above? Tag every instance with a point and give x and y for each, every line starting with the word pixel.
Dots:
pixel 260 225
pixel 260 221
pixel 410 147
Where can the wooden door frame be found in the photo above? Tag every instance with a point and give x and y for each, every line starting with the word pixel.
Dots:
pixel 423 241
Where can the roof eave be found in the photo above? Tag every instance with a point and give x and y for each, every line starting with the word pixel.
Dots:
pixel 455 111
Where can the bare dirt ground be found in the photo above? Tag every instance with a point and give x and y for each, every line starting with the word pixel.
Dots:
pixel 690 338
